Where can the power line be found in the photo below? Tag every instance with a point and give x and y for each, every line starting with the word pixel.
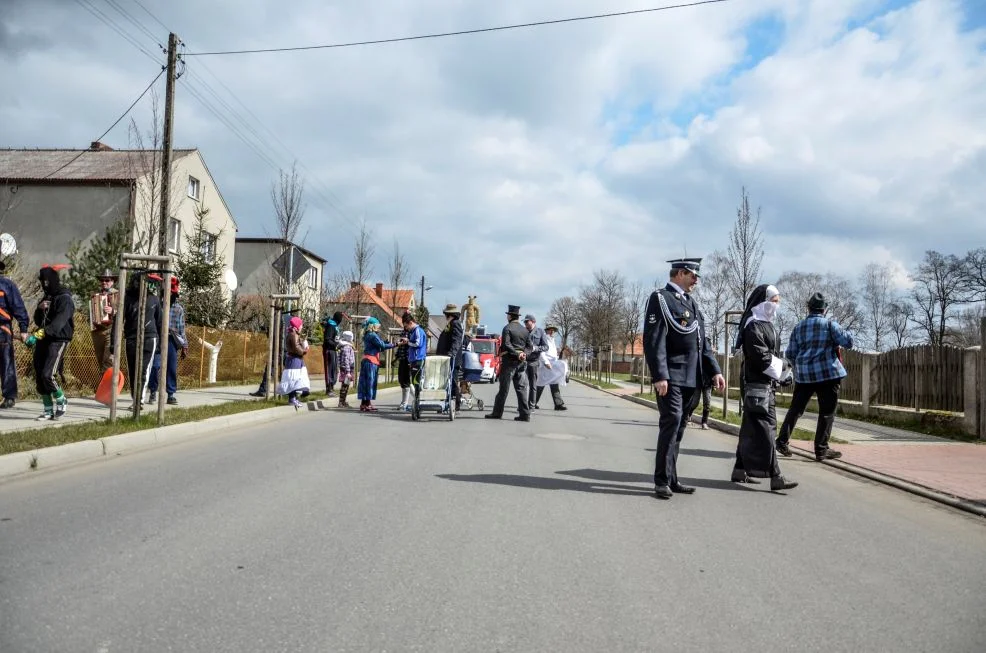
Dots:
pixel 481 30
pixel 110 128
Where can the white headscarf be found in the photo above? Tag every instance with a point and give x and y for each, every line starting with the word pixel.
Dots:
pixel 766 310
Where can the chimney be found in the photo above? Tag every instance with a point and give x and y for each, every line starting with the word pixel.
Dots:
pixel 379 290
pixel 96 146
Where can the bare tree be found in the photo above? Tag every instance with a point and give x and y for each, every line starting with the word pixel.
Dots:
pixel 745 250
pixel 564 314
pixel 631 315
pixel 941 283
pixel 398 273
pixel 877 295
pixel 363 251
pixel 975 268
pixel 797 287
pixel 966 331
pixel 715 296
pixel 598 324
pixel 144 163
pixel 900 314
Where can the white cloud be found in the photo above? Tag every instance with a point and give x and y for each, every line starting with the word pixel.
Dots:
pixel 492 157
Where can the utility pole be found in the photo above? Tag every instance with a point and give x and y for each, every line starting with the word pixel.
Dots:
pixel 422 301
pixel 169 115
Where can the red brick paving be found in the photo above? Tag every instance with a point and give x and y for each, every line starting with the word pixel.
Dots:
pixel 956 468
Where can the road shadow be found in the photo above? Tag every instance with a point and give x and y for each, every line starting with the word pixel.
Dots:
pixel 707 453
pixel 543 483
pixel 649 425
pixel 636 477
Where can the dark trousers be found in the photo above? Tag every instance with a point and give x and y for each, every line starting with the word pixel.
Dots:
pixel 404 373
pixel 8 367
pixel 330 361
pixel 101 346
pixel 171 378
pixel 513 372
pixel 48 356
pixel 671 428
pixel 555 395
pixel 414 376
pixel 532 382
pixel 138 382
pixel 828 400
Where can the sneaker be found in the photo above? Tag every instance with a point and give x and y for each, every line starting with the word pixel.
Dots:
pixel 402 407
pixel 172 400
pixel 783 449
pixel 44 417
pixel 295 403
pixel 60 408
pixel 705 427
pixel 828 454
pixel 7 403
pixel 152 399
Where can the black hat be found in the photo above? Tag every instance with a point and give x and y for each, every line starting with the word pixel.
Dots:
pixel 513 310
pixel 108 274
pixel 3 266
pixel 690 264
pixel 817 302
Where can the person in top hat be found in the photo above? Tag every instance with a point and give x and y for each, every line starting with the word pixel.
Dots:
pixel 102 307
pixel 679 358
pixel 539 345
pixel 515 346
pixel 813 349
pixel 450 344
pixel 12 310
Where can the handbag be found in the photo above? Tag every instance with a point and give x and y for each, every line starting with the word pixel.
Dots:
pixel 756 398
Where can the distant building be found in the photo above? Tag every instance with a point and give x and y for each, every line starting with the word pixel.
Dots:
pixel 258 278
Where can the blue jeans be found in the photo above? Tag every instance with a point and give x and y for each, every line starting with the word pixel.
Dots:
pixel 172 378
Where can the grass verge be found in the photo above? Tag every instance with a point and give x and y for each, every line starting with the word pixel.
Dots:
pixel 736 420
pixel 602 384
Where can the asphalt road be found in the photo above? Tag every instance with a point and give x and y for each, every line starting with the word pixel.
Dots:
pixel 348 532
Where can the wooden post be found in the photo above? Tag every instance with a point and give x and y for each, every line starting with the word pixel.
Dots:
pixel 201 357
pixel 918 381
pixel 981 380
pixel 864 391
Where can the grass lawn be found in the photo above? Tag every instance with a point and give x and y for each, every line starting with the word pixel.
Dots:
pixel 30 439
pixel 602 384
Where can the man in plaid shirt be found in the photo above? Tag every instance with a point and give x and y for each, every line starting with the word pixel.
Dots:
pixel 813 349
pixel 177 347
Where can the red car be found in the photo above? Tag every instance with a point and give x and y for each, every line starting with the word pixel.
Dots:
pixel 488 349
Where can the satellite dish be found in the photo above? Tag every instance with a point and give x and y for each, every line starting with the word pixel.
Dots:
pixel 230 277
pixel 8 246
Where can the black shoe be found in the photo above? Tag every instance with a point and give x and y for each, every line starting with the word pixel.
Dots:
pixel 153 399
pixel 678 488
pixel 257 393
pixel 781 483
pixel 7 403
pixel 522 419
pixel 492 416
pixel 172 400
pixel 663 492
pixel 561 407
pixel 739 476
pixel 828 454
pixel 783 449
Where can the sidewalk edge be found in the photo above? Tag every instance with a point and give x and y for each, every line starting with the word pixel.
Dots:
pixel 928 493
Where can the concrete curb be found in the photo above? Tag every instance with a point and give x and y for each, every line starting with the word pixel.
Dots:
pixel 22 462
pixel 898 483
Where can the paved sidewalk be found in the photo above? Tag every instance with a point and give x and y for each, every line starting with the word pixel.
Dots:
pixel 23 415
pixel 948 466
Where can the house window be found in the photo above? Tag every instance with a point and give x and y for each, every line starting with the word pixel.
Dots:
pixel 174 235
pixel 208 248
pixel 193 187
pixel 313 278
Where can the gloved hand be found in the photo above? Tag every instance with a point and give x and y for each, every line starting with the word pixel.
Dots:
pixel 787 378
pixel 30 341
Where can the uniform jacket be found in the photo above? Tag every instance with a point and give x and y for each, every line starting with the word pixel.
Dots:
pixel 12 308
pixel 450 342
pixel 678 352
pixel 514 339
pixel 539 342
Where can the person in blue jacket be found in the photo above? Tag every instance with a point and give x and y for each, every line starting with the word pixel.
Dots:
pixel 373 344
pixel 11 310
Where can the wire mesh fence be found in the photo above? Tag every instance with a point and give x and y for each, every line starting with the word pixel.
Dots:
pixel 242 357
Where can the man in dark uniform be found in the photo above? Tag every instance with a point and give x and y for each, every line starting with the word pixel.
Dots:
pixel 539 344
pixel 450 344
pixel 515 345
pixel 679 358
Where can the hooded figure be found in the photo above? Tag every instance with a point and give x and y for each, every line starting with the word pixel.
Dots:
pixel 133 315
pixel 330 350
pixel 54 318
pixel 756 456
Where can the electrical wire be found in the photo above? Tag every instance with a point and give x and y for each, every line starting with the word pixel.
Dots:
pixel 480 30
pixel 110 128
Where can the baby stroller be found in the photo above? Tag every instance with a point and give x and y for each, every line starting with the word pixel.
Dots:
pixel 436 388
pixel 472 372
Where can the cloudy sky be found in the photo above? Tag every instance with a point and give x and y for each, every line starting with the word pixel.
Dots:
pixel 512 164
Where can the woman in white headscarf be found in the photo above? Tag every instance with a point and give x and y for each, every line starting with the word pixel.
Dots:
pixel 552 372
pixel 763 370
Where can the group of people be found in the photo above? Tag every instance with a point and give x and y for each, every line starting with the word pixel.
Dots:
pixel 683 364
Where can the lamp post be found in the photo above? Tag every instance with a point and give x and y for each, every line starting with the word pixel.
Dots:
pixel 423 289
